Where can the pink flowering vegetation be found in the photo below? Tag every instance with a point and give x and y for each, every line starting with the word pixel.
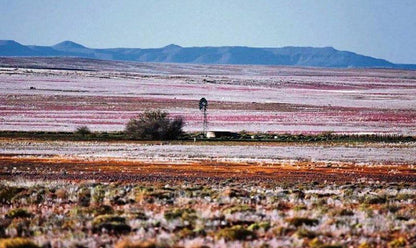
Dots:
pixel 213 213
pixel 254 98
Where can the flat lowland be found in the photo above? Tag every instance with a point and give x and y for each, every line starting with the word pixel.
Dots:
pixel 60 94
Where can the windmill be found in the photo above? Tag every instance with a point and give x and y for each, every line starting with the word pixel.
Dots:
pixel 203 104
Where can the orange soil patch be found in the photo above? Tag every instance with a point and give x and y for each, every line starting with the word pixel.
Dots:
pixel 131 170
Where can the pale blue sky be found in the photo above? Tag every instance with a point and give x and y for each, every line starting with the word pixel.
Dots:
pixel 379 28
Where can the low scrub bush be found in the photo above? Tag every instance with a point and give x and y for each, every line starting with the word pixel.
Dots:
pixel 238 208
pixel 18 213
pixel 374 200
pixel 305 233
pixel 235 233
pixel 154 125
pixel 399 242
pixel 259 225
pixel 82 131
pixel 17 243
pixel 299 221
pixel 102 209
pixel 111 223
pixel 7 193
pixel 136 244
pixel 184 214
pixel 316 243
pixel 84 197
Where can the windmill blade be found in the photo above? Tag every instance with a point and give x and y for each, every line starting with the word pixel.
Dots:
pixel 203 104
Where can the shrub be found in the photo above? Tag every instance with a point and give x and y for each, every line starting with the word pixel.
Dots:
pixel 259 225
pixel 139 215
pixel 299 221
pixel 18 213
pixel 185 214
pixel 234 192
pixel 20 227
pixel 305 233
pixel 392 208
pixel 82 131
pixel 283 206
pixel 154 125
pixel 112 223
pixel 364 245
pixel 102 209
pixel 61 193
pixel 17 243
pixel 316 243
pixel 238 208
pixel 7 193
pixel 404 197
pixel 135 244
pixel 84 197
pixel 235 233
pixel 374 200
pixel 342 212
pixel 98 194
pixel 155 195
pixel 396 243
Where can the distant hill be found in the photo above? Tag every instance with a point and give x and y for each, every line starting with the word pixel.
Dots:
pixel 288 56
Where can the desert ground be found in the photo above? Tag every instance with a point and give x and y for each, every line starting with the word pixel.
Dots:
pixel 56 193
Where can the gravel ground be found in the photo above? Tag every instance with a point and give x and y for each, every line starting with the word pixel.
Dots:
pixel 376 153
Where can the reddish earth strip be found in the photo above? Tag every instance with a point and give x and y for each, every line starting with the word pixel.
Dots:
pixel 59 168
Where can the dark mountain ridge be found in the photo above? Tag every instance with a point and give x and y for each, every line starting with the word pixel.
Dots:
pixel 288 56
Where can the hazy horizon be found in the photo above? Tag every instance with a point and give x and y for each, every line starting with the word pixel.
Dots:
pixel 380 29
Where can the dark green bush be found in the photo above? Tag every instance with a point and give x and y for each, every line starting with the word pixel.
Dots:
pixel 305 233
pixel 7 193
pixel 299 221
pixel 102 209
pixel 139 215
pixel 111 223
pixel 82 131
pixel 84 197
pixel 154 125
pixel 18 213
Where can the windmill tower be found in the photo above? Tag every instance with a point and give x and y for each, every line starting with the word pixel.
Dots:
pixel 203 104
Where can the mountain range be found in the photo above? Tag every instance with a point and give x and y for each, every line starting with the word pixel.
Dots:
pixel 287 56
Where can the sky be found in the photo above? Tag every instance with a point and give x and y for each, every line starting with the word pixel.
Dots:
pixel 379 28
